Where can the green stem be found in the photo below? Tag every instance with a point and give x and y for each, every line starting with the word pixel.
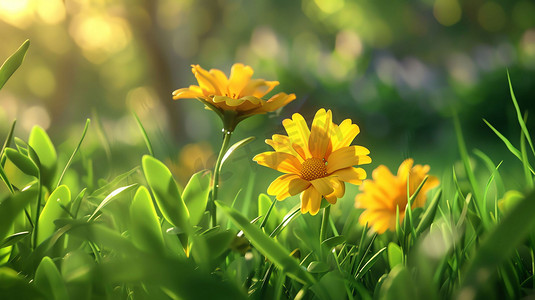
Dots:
pixel 324 223
pixel 217 169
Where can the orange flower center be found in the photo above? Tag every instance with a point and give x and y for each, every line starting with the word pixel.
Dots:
pixel 313 168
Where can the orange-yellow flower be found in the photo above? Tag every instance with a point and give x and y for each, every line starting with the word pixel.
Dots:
pixel 317 162
pixel 236 97
pixel 380 196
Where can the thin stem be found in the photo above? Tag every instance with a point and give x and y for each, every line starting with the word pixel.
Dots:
pixel 324 223
pixel 217 169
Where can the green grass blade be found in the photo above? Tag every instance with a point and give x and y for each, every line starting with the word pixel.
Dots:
pixel 267 246
pixel 13 63
pixel 492 168
pixel 144 134
pixel 525 161
pixel 11 207
pixel 466 160
pixel 235 147
pixel 429 214
pixel 74 152
pixel 519 115
pixel 8 139
pixel 367 266
pixel 499 245
pixel 112 196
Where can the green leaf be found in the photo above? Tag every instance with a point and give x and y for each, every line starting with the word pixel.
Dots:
pixel 267 246
pixel 77 267
pixel 49 281
pixel 144 224
pixel 499 244
pixel 24 163
pixel 395 255
pixel 318 267
pixel 196 194
pixel 334 241
pixel 398 285
pixel 54 209
pixel 369 264
pixel 41 143
pixel 14 238
pixel 519 115
pixel 166 193
pixel 112 196
pixel 15 286
pixel 429 214
pixel 235 147
pixel 11 207
pixel 12 63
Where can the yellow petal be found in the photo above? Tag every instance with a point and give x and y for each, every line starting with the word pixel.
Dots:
pixel 298 132
pixel 186 93
pixel 259 87
pixel 319 139
pixel 206 80
pixel 315 201
pixel 331 198
pixel 279 161
pixel 322 185
pixel 228 101
pixel 351 175
pixel 239 78
pixel 405 169
pixel 347 157
pixel 221 80
pixel 287 185
pixel 277 101
pixel 344 134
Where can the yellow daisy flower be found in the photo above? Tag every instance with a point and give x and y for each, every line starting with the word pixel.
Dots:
pixel 317 162
pixel 236 97
pixel 380 196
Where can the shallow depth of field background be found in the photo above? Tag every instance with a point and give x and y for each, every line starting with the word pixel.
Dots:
pixel 400 70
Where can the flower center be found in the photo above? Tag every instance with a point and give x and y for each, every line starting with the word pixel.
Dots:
pixel 313 168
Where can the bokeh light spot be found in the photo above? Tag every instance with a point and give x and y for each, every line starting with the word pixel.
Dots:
pixel 447 12
pixel 491 16
pixel 41 81
pixel 35 115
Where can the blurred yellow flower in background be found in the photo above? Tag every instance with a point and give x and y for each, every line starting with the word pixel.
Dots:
pixel 381 196
pixel 236 97
pixel 317 162
pixel 192 158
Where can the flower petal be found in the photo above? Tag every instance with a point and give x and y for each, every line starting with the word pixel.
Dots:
pixel 323 185
pixel 287 185
pixel 279 161
pixel 310 201
pixel 351 175
pixel 347 157
pixel 405 169
pixel 277 101
pixel 259 87
pixel 205 79
pixel 221 80
pixel 240 75
pixel 344 134
pixel 319 140
pixel 186 93
pixel 298 132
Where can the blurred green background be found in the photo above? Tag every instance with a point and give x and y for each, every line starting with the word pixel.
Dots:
pixel 398 69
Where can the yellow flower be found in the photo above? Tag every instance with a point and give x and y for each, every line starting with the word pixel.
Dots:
pixel 236 97
pixel 380 196
pixel 317 162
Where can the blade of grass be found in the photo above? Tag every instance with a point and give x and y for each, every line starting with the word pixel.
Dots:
pixel 144 134
pixel 499 245
pixel 519 115
pixel 267 246
pixel 525 161
pixel 13 63
pixel 510 146
pixel 73 153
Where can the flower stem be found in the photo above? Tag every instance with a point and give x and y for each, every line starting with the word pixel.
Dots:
pixel 324 223
pixel 217 168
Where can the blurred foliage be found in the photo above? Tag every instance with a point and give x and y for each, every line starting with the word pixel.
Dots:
pixel 397 69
